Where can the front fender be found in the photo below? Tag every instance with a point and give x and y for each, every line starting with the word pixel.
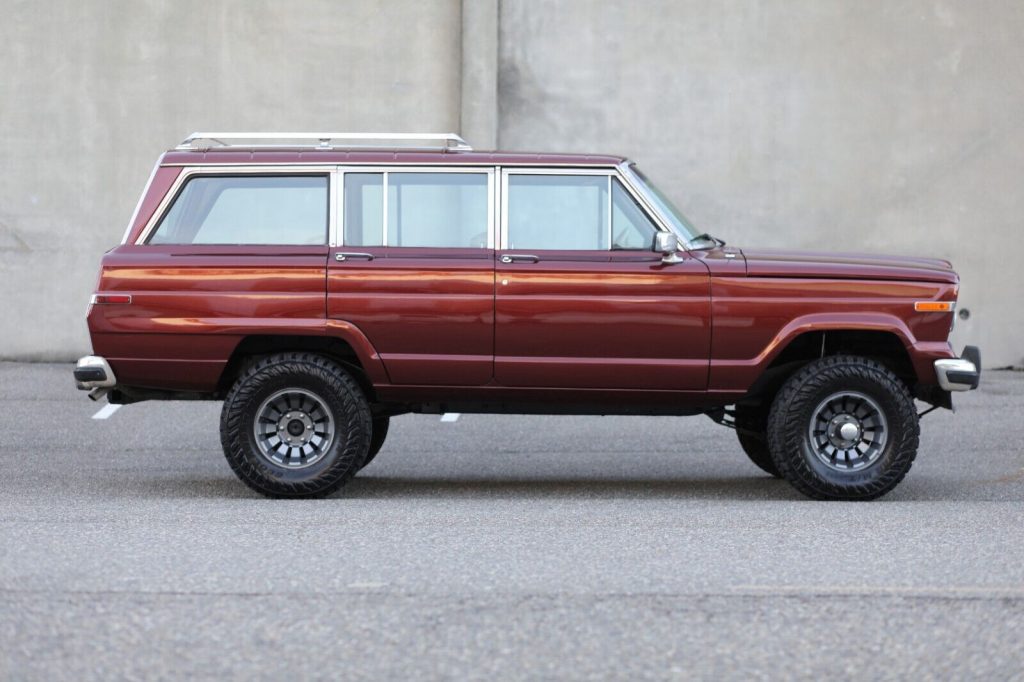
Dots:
pixel 738 374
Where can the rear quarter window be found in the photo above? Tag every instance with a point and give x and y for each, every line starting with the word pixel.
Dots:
pixel 254 209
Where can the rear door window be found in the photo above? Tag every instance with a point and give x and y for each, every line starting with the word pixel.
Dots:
pixel 423 209
pixel 248 209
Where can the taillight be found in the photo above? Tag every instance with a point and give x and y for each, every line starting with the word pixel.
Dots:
pixel 111 299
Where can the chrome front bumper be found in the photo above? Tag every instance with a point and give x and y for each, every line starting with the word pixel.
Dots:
pixel 92 371
pixel 960 374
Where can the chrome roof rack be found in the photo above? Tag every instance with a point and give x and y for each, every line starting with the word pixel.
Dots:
pixel 433 141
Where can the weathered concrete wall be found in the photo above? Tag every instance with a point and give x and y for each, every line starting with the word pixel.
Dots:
pixel 879 126
pixel 93 91
pixel 890 127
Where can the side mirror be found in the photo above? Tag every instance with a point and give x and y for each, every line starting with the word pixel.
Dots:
pixel 667 244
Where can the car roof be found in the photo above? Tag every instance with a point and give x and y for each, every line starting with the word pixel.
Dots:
pixel 258 155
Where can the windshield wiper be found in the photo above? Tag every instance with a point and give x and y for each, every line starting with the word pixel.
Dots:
pixel 705 237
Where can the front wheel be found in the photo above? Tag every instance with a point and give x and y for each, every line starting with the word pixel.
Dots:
pixel 751 424
pixel 843 428
pixel 295 425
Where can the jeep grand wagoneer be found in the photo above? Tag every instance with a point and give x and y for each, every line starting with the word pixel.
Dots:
pixel 321 284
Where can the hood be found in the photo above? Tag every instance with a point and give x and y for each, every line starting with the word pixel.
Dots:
pixel 780 263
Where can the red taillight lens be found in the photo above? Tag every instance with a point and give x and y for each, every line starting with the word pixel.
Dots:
pixel 111 299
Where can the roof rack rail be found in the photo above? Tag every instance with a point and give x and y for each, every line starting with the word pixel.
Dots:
pixel 447 141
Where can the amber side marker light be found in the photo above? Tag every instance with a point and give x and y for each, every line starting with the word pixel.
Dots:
pixel 934 306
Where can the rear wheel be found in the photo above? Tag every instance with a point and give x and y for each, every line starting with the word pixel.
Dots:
pixel 843 428
pixel 380 432
pixel 751 427
pixel 295 425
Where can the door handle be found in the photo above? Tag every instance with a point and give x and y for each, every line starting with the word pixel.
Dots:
pixel 519 258
pixel 346 255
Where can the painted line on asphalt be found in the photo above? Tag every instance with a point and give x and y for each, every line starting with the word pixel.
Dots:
pixel 451 416
pixel 106 411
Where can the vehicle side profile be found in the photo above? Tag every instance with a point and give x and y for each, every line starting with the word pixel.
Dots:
pixel 321 284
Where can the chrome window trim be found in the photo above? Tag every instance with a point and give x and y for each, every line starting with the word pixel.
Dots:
pixel 138 206
pixel 611 172
pixel 386 170
pixel 190 172
pixel 332 208
pixel 639 192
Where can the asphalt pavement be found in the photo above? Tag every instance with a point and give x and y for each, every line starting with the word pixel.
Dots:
pixel 499 547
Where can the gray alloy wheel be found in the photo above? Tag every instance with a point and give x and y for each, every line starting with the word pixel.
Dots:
pixel 294 428
pixel 847 431
pixel 295 425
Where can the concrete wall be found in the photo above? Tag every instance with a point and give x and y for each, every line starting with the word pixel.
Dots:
pixel 890 127
pixel 93 91
pixel 827 124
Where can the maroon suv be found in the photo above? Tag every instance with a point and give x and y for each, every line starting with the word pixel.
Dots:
pixel 321 289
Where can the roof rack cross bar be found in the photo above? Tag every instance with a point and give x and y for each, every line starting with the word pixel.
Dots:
pixel 448 141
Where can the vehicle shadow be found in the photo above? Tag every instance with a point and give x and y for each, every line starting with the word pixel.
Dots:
pixel 755 488
pixel 462 487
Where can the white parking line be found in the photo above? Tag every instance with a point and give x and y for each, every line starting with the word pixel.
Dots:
pixel 106 411
pixel 450 416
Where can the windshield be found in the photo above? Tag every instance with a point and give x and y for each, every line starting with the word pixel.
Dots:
pixel 683 227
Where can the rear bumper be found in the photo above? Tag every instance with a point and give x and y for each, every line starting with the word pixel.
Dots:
pixel 960 374
pixel 92 371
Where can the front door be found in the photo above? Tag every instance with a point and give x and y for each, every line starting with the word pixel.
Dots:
pixel 413 269
pixel 581 300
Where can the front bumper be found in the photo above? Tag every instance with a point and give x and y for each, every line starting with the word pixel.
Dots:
pixel 92 371
pixel 960 374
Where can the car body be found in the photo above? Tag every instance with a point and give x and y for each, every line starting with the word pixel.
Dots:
pixel 445 279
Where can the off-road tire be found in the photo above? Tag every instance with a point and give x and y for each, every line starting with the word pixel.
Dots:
pixel 751 425
pixel 342 396
pixel 380 432
pixel 791 412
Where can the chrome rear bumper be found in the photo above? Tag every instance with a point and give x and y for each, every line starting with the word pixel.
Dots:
pixel 92 371
pixel 960 374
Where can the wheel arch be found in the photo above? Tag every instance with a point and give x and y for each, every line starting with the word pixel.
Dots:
pixel 341 341
pixel 884 338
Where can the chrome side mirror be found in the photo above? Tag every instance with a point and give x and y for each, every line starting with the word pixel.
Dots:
pixel 667 244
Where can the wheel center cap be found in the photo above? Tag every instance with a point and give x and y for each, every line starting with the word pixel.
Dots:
pixel 295 428
pixel 844 430
pixel 849 431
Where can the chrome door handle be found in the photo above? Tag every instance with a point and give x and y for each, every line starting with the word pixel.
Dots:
pixel 519 258
pixel 344 256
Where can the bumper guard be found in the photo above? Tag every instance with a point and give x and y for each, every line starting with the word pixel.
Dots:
pixel 960 374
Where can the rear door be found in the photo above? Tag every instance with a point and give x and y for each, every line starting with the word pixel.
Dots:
pixel 413 268
pixel 581 300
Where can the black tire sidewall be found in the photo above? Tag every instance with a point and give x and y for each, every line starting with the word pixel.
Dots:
pixel 380 426
pixel 751 425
